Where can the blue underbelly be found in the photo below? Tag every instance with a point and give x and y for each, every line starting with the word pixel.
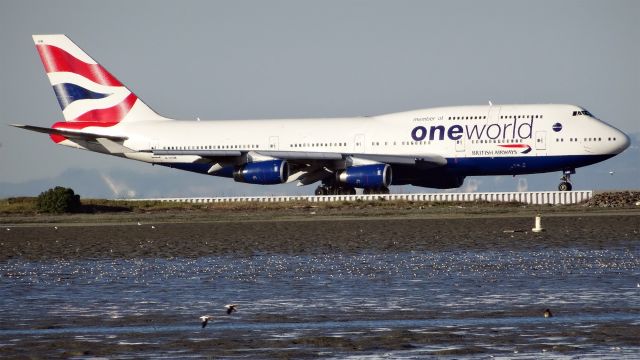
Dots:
pixel 519 165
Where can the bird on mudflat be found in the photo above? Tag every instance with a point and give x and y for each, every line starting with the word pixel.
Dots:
pixel 205 319
pixel 231 308
pixel 547 313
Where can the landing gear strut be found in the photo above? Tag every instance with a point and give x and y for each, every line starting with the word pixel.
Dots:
pixel 565 185
pixel 380 190
pixel 334 188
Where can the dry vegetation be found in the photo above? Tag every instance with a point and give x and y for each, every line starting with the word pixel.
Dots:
pixel 23 209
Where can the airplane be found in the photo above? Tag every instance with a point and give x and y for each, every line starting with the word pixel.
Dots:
pixel 435 148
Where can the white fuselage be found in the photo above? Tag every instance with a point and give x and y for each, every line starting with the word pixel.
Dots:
pixel 475 140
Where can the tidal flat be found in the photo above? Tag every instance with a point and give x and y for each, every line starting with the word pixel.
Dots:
pixel 323 283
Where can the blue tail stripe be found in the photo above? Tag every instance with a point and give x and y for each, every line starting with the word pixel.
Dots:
pixel 68 93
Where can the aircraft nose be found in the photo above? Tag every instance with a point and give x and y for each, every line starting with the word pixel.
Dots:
pixel 622 141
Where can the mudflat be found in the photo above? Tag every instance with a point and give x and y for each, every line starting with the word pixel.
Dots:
pixel 313 234
pixel 322 282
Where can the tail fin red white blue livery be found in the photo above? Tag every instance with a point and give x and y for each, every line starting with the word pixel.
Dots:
pixel 86 91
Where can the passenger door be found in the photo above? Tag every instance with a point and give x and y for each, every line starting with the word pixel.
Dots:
pixel 358 144
pixel 541 141
pixel 273 143
pixel 460 146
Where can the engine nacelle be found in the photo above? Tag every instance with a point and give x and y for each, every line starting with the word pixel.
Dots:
pixel 366 176
pixel 262 172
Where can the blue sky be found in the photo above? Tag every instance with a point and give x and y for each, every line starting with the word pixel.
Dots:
pixel 270 59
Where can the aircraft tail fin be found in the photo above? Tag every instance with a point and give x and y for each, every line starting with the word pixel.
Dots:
pixel 86 91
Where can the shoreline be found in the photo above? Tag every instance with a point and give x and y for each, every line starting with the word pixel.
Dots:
pixel 324 212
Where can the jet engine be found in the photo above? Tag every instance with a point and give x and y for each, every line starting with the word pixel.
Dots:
pixel 262 172
pixel 366 176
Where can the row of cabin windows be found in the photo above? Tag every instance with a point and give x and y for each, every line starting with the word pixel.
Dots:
pixel 496 141
pixel 584 139
pixel 467 117
pixel 373 143
pixel 209 147
pixel 521 117
pixel 501 117
pixel 319 145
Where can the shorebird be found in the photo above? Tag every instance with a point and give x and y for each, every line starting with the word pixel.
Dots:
pixel 205 319
pixel 230 308
pixel 547 313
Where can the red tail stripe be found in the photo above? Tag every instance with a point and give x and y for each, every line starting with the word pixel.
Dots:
pixel 58 60
pixel 111 115
pixel 75 126
pixel 57 138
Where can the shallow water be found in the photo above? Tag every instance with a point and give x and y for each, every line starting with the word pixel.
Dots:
pixel 398 304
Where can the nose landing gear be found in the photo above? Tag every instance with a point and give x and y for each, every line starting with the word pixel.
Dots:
pixel 565 185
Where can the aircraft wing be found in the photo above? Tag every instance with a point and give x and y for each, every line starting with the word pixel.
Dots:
pixel 425 160
pixel 304 157
pixel 306 167
pixel 201 153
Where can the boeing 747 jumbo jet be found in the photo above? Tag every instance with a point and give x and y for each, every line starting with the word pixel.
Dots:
pixel 434 148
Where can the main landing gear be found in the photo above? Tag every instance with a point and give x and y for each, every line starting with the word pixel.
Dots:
pixel 335 188
pixel 565 185
pixel 381 190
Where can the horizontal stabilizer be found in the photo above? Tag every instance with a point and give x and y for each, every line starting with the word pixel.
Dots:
pixel 71 134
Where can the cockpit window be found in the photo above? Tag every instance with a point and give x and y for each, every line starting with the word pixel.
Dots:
pixel 582 112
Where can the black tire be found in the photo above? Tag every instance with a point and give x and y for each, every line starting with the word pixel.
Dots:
pixel 564 186
pixel 320 191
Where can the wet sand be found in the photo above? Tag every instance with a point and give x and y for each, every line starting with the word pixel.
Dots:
pixel 313 236
pixel 321 235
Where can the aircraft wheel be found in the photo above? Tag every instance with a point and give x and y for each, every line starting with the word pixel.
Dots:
pixel 564 186
pixel 320 191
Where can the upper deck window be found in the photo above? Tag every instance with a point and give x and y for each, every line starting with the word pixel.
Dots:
pixel 582 112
